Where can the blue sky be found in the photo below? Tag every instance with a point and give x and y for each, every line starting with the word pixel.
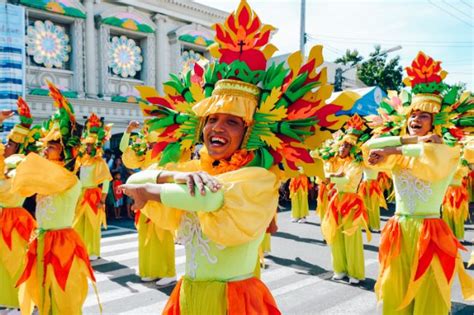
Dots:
pixel 443 29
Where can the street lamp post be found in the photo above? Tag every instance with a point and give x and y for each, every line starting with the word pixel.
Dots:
pixel 339 78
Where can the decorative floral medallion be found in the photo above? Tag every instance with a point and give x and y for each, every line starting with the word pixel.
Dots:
pixel 124 57
pixel 48 44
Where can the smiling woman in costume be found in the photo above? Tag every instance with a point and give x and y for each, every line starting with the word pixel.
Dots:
pixel 250 120
pixel 418 252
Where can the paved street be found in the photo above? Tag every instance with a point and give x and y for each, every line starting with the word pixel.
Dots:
pixel 298 274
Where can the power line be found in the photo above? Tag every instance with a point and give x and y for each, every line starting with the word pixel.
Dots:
pixel 408 42
pixel 390 43
pixel 455 8
pixel 466 3
pixel 453 15
pixel 329 46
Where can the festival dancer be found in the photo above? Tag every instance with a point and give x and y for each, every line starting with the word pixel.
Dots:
pixel 16 224
pixel 95 179
pixel 326 189
pixel 373 197
pixel 231 192
pixel 57 265
pixel 418 252
pixel 156 252
pixel 346 214
pixel 455 207
pixel 299 198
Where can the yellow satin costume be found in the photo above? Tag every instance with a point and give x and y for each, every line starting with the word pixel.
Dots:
pixel 57 265
pixel 156 252
pixel 16 228
pixel 90 213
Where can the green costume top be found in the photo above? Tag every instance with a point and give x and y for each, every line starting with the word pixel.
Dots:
pixel 221 231
pixel 419 184
pixel 58 191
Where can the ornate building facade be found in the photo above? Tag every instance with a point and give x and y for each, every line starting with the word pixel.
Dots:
pixel 96 51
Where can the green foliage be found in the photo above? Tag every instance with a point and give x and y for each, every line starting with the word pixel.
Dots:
pixel 351 58
pixel 380 71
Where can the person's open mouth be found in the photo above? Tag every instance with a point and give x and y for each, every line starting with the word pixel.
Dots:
pixel 415 126
pixel 218 141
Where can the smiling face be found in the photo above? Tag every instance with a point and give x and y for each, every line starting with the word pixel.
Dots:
pixel 223 134
pixel 53 151
pixel 345 149
pixel 419 123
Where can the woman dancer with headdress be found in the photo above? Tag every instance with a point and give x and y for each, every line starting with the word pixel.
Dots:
pixel 418 252
pixel 57 263
pixel 16 224
pixel 223 203
pixel 156 252
pixel 346 213
pixel 95 179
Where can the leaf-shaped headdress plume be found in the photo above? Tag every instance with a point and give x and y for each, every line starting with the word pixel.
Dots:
pixel 283 105
pixel 451 110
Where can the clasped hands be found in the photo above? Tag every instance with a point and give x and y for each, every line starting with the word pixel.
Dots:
pixel 195 181
pixel 378 155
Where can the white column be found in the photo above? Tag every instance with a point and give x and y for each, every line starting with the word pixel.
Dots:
pixel 91 44
pixel 77 43
pixel 160 48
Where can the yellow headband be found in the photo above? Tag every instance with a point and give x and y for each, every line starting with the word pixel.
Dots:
pixel 430 103
pixel 18 134
pixel 230 97
pixel 350 138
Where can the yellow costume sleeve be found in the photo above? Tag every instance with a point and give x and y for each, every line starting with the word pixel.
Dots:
pixel 38 175
pixel 124 142
pixel 102 172
pixel 424 165
pixel 250 200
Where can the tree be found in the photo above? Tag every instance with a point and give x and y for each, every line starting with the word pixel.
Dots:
pixel 351 58
pixel 377 70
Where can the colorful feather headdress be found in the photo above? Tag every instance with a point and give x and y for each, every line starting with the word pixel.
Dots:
pixel 452 112
pixel 355 132
pixel 283 106
pixel 62 127
pixel 95 132
pixel 22 133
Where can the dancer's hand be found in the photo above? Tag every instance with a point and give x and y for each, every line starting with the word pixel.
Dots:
pixel 430 138
pixel 197 180
pixel 141 193
pixel 132 126
pixel 376 156
pixel 5 114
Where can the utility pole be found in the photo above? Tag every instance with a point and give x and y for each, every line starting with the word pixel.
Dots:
pixel 302 26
